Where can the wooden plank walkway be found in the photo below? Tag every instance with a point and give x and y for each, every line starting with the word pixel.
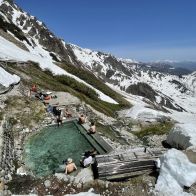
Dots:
pixel 119 166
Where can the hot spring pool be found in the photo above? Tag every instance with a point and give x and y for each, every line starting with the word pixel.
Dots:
pixel 47 149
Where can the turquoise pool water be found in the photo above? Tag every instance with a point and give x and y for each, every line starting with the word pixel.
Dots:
pixel 46 150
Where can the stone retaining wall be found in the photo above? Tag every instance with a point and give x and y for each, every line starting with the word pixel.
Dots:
pixel 7 158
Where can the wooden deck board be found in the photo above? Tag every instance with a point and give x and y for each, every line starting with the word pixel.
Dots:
pixel 125 165
pixel 124 175
pixel 122 171
pixel 122 166
pixel 108 159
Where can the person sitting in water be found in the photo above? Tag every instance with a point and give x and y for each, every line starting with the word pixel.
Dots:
pixel 87 160
pixel 67 113
pixel 92 129
pixel 82 119
pixel 70 167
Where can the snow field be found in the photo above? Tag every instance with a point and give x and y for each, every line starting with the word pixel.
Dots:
pixel 6 79
pixel 176 171
pixel 183 136
pixel 9 50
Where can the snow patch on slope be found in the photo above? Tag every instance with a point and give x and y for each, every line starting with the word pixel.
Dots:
pixel 183 136
pixel 6 79
pixel 8 50
pixel 140 112
pixel 190 81
pixel 89 57
pixel 176 171
pixel 84 194
pixel 37 54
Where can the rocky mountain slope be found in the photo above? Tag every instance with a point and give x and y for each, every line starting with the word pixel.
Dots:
pixel 162 89
pixel 23 37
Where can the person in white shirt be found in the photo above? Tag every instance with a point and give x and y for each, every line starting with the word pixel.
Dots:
pixel 87 160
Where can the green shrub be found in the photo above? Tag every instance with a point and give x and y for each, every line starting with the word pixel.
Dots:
pixel 142 89
pixel 80 87
pixel 157 129
pixel 46 80
pixel 48 72
pixel 91 79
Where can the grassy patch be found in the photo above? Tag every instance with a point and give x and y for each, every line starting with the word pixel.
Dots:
pixel 10 102
pixel 77 86
pixel 12 121
pixel 95 82
pixel 157 129
pixel 108 132
pixel 32 111
pixel 46 80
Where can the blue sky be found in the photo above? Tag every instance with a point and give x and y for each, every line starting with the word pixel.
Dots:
pixel 140 29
